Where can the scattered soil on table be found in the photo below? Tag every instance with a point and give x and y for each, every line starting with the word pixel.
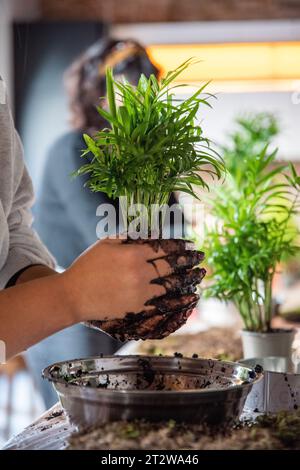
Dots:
pixel 218 343
pixel 44 428
pixel 53 415
pixel 281 431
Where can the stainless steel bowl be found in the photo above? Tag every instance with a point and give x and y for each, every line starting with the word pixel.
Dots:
pixel 101 389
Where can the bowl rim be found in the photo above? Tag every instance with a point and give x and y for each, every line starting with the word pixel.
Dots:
pixel 266 370
pixel 46 374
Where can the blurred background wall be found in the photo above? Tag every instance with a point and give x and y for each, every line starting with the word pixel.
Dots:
pixel 42 52
pixel 39 38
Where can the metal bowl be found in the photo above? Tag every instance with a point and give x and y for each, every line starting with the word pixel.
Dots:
pixel 101 389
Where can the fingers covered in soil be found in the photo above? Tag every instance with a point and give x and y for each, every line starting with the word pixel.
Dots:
pixel 178 254
pixel 169 303
pixel 174 268
pixel 170 324
pixel 156 323
pixel 181 282
pixel 156 326
pixel 169 246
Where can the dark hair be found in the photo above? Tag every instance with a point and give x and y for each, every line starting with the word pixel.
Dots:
pixel 85 78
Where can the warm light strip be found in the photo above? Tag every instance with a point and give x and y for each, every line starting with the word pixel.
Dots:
pixel 242 86
pixel 232 62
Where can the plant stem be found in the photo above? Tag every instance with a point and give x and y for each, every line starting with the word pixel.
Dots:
pixel 149 201
pixel 245 307
pixel 268 302
pixel 243 314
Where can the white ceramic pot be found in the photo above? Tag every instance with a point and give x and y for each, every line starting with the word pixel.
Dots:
pixel 277 343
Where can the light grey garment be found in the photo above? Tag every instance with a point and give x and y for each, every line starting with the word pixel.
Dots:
pixel 19 244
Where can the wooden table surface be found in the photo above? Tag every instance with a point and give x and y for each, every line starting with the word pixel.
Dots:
pixel 49 432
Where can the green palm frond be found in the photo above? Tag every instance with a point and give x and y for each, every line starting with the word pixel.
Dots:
pixel 154 144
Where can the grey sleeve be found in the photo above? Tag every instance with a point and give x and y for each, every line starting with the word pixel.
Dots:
pixel 25 248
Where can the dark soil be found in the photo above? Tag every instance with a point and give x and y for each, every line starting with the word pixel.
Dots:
pixel 53 415
pixel 280 431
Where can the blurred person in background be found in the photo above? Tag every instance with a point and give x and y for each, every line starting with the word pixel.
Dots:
pixel 65 213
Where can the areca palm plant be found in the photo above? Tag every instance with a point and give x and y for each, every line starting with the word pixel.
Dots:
pixel 254 229
pixel 153 145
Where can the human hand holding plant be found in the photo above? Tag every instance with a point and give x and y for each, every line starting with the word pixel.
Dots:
pixel 153 148
pixel 142 279
pixel 116 273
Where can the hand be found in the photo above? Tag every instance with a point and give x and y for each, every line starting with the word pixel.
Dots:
pixel 144 289
pixel 112 278
pixel 172 309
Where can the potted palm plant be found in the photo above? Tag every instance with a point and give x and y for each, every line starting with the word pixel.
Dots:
pixel 253 232
pixel 153 146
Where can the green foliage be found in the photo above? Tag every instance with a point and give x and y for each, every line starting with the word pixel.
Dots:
pixel 154 145
pixel 255 130
pixel 253 232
